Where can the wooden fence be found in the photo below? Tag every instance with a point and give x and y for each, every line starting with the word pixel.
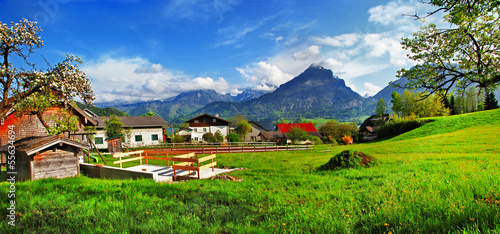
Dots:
pixel 235 149
pixel 182 160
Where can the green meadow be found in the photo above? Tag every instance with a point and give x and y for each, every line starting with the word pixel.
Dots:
pixel 443 177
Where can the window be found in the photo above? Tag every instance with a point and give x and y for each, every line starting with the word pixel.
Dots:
pixel 138 138
pixel 98 140
pixel 195 130
pixel 214 120
pixel 154 137
pixel 196 121
pixel 204 130
pixel 205 120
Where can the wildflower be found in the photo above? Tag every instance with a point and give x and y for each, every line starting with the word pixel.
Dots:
pixel 347 216
pixel 472 219
pixel 284 224
pixel 386 224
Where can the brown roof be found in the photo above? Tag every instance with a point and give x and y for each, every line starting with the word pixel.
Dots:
pixel 205 114
pixel 32 145
pixel 134 121
pixel 81 112
pixel 272 134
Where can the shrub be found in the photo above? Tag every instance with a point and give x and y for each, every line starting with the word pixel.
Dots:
pixel 349 159
pixel 347 140
pixel 336 130
pixel 218 135
pixel 398 126
pixel 209 137
pixel 233 137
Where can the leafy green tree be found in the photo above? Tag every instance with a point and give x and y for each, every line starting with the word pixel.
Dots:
pixel 334 131
pixel 149 114
pixel 297 134
pixel 243 128
pixel 381 107
pixel 490 102
pixel 218 136
pixel 235 120
pixel 23 84
pixel 113 127
pixel 411 103
pixel 467 53
pixel 233 137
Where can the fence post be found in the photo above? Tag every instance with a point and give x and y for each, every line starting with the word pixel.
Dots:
pixel 140 158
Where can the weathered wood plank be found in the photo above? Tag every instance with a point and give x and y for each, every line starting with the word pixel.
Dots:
pixel 206 158
pixel 208 166
pixel 127 160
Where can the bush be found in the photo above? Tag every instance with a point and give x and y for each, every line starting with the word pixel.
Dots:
pixel 233 137
pixel 209 137
pixel 336 130
pixel 398 126
pixel 349 159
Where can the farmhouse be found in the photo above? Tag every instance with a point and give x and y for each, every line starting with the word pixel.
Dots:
pixel 207 123
pixel 30 125
pixel 308 127
pixel 275 136
pixel 45 156
pixel 138 131
pixel 369 126
pixel 254 134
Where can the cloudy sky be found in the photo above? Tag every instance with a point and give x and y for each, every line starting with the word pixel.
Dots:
pixel 155 49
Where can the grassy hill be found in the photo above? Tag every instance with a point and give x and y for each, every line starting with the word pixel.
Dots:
pixel 443 177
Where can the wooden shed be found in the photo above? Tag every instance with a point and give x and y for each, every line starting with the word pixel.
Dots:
pixel 44 157
pixel 115 144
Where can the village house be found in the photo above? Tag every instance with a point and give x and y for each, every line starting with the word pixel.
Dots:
pixel 308 127
pixel 369 126
pixel 206 123
pixel 253 136
pixel 138 131
pixel 30 125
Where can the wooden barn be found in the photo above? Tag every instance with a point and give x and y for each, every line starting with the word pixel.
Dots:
pixel 44 157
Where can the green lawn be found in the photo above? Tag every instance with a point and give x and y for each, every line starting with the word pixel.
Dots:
pixel 443 177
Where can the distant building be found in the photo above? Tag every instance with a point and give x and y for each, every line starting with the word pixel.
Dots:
pixel 204 123
pixel 253 136
pixel 308 127
pixel 138 131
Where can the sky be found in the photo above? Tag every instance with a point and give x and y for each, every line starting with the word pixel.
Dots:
pixel 154 49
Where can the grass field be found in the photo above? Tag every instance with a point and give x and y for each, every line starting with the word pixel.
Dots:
pixel 443 177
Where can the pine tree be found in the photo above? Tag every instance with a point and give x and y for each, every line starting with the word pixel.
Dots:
pixel 490 102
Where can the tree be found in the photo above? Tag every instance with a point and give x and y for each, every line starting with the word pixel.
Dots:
pixel 114 126
pixel 27 89
pixel 297 134
pixel 235 120
pixel 490 102
pixel 411 103
pixel 334 130
pixel 381 107
pixel 149 114
pixel 243 128
pixel 218 135
pixel 467 53
pixel 209 137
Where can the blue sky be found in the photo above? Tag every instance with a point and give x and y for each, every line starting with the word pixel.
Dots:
pixel 139 50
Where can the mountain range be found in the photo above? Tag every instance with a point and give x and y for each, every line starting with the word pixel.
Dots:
pixel 315 93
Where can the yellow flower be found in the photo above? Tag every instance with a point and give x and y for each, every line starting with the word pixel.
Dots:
pixel 284 224
pixel 386 224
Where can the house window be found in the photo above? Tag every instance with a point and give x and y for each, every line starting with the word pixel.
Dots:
pixel 138 138
pixel 98 140
pixel 214 120
pixel 195 130
pixel 196 121
pixel 154 137
pixel 204 130
pixel 205 120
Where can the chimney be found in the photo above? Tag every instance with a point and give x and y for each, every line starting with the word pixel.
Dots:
pixel 217 115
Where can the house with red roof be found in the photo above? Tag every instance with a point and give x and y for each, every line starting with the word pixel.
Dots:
pixel 308 127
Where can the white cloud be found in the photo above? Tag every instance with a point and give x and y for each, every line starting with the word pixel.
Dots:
pixel 130 79
pixel 393 13
pixel 310 54
pixel 265 76
pixel 338 41
pixel 371 89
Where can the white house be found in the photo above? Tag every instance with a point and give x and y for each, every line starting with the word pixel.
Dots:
pixel 138 131
pixel 207 123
